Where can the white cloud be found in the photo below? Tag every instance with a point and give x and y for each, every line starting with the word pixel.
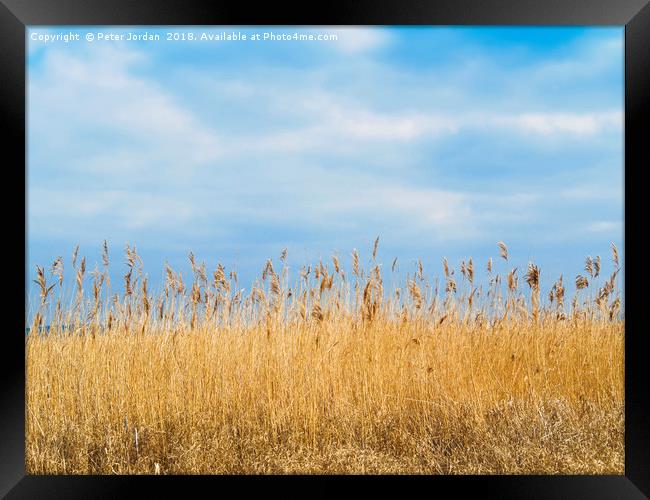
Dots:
pixel 338 127
pixel 604 226
pixel 594 192
pixel 449 214
pixel 334 123
pixel 562 123
pixel 109 208
pixel 99 92
pixel 365 124
pixel 355 40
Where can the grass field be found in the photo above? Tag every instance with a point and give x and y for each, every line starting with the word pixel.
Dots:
pixel 327 372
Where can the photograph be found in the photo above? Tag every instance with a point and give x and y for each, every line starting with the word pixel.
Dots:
pixel 324 250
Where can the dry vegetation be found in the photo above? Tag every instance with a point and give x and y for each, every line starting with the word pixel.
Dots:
pixel 329 373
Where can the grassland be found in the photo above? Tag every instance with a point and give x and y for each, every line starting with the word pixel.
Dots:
pixel 327 372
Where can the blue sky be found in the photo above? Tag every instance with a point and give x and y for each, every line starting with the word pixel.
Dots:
pixel 440 140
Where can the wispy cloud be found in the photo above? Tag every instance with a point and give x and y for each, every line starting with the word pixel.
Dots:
pixel 355 40
pixel 563 123
pixel 604 226
pixel 98 93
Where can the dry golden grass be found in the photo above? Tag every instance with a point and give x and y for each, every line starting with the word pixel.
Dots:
pixel 333 375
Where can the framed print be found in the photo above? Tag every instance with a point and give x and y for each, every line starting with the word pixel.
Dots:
pixel 377 241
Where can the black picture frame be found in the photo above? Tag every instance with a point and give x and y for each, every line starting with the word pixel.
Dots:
pixel 16 15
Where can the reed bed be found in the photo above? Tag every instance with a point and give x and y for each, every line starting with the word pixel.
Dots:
pixel 330 371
